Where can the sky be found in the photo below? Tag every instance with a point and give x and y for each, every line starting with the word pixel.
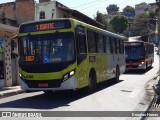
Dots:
pixel 90 7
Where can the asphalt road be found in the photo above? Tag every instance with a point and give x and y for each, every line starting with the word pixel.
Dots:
pixel 127 95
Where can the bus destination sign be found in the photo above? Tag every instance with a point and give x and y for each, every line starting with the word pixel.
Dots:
pixel 44 26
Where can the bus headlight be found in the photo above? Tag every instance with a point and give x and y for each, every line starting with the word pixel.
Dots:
pixel 22 77
pixel 71 73
pixel 65 76
pixel 68 75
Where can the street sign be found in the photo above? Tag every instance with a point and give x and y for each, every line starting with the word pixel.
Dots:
pixel 2 44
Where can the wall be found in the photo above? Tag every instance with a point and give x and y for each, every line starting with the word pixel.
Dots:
pixel 47 7
pixel 7 7
pixel 141 8
pixel 7 10
pixel 20 11
pixel 25 10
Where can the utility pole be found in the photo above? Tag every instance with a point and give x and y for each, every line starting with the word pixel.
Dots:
pixel 129 26
pixel 157 32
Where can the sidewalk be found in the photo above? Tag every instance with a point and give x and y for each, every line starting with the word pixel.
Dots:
pixel 155 103
pixel 9 91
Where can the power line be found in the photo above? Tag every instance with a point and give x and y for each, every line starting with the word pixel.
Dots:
pixel 100 1
pixel 86 3
pixel 92 6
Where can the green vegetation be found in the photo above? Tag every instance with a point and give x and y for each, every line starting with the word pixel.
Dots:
pixel 112 9
pixel 119 23
pixel 115 21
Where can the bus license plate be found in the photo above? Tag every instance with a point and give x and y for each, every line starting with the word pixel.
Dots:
pixel 43 85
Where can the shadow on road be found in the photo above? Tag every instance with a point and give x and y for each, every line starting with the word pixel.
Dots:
pixel 57 99
pixel 139 72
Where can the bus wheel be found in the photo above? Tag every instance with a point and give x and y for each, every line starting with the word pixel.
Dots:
pixel 151 64
pixel 92 82
pixel 146 66
pixel 117 75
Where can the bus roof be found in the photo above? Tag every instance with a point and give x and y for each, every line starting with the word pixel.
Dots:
pixel 85 24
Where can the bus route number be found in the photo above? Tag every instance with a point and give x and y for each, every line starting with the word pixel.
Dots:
pixel 46 26
pixel 29 58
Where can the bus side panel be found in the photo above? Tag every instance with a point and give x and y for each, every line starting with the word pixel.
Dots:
pixel 110 66
pixel 122 63
pixel 82 74
pixel 102 66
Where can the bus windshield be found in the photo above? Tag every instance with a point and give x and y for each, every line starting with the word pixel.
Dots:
pixel 47 48
pixel 134 52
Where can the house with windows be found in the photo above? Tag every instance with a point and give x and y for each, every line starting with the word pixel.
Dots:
pixel 141 8
pixel 15 13
pixel 47 9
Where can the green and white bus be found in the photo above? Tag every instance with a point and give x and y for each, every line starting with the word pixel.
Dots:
pixel 63 54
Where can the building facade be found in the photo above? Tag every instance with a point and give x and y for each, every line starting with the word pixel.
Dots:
pixel 8 61
pixel 47 9
pixel 152 6
pixel 141 8
pixel 12 14
pixel 15 13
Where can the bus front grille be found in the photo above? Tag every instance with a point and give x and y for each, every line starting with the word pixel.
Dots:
pixel 50 83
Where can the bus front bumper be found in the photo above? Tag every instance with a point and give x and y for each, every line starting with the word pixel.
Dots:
pixel 69 84
pixel 141 66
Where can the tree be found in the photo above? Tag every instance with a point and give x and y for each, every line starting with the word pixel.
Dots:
pixel 128 9
pixel 142 23
pixel 141 18
pixel 112 9
pixel 119 23
pixel 152 16
pixel 101 19
pixel 157 10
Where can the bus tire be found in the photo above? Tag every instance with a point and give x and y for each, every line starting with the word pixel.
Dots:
pixel 146 66
pixel 92 82
pixel 116 79
pixel 151 64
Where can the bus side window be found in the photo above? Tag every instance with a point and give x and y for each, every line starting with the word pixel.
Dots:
pixel 119 42
pixel 100 43
pixel 82 43
pixel 91 42
pixel 118 47
pixel 108 45
pixel 122 46
pixel 81 47
pixel 111 45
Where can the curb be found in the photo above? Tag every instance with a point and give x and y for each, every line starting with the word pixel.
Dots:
pixel 151 93
pixel 8 94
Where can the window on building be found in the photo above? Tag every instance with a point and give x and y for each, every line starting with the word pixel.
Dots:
pixel 52 13
pixel 42 15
